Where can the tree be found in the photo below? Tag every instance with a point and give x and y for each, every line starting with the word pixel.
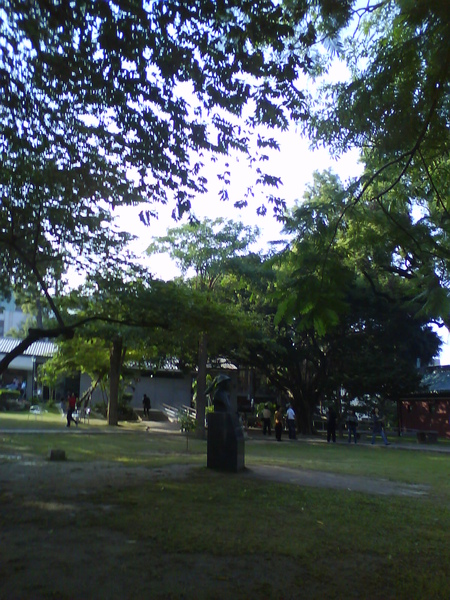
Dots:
pixel 78 355
pixel 335 313
pixel 138 321
pixel 209 248
pixel 95 115
pixel 395 106
pixel 395 110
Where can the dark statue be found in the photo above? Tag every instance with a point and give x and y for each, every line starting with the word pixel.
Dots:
pixel 225 435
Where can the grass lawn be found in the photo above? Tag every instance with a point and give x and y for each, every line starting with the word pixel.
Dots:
pixel 215 535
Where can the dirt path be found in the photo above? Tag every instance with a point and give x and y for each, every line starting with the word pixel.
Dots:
pixel 19 476
pixel 351 483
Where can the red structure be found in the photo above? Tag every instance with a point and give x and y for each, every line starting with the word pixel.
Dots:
pixel 428 410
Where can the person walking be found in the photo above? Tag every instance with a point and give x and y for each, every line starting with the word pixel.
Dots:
pixel 147 406
pixel 352 424
pixel 71 407
pixel 290 416
pixel 331 425
pixel 267 419
pixel 278 424
pixel 378 427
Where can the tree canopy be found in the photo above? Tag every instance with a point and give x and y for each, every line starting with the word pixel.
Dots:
pixel 395 109
pixel 208 248
pixel 110 104
pixel 335 314
pixel 107 104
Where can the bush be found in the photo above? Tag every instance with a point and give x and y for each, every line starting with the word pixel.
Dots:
pixel 11 400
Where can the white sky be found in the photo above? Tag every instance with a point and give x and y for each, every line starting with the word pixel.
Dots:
pixel 294 164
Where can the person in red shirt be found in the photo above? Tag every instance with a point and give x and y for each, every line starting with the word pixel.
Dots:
pixel 72 405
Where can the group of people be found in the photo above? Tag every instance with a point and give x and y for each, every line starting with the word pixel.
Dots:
pixel 378 428
pixel 278 418
pixel 18 385
pixel 352 424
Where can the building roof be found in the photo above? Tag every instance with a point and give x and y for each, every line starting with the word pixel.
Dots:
pixel 39 349
pixel 437 379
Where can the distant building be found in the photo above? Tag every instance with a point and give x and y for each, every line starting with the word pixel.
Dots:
pixel 166 386
pixel 11 316
pixel 24 367
pixel 428 409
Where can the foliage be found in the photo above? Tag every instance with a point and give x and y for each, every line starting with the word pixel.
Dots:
pixel 210 249
pixel 108 105
pixel 394 109
pixel 204 250
pixel 10 400
pixel 187 423
pixel 333 320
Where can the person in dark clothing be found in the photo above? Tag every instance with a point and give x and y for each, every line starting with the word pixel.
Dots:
pixel 352 424
pixel 378 427
pixel 147 406
pixel 331 425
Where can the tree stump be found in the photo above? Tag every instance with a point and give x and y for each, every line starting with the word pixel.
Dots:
pixel 56 454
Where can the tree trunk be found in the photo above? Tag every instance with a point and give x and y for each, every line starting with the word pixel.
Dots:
pixel 115 364
pixel 201 386
pixel 304 416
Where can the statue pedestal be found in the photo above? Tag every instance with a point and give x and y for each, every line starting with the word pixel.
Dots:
pixel 225 442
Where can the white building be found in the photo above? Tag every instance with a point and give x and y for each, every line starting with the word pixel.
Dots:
pixel 11 316
pixel 23 368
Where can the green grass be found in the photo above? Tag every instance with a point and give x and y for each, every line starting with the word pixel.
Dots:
pixel 390 544
pixel 48 420
pixel 323 542
pixel 131 444
pixel 406 466
pixel 127 444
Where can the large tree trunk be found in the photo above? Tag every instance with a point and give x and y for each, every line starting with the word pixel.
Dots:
pixel 115 365
pixel 201 385
pixel 304 414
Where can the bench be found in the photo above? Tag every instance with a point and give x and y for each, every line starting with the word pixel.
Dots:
pixel 427 437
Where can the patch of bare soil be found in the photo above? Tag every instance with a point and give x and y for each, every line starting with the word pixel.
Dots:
pixel 47 551
pixel 352 483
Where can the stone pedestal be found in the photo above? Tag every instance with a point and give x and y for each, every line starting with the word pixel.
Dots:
pixel 226 446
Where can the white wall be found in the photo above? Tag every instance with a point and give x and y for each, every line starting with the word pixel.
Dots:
pixel 174 391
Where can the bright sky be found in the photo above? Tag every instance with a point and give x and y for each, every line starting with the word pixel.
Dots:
pixel 294 164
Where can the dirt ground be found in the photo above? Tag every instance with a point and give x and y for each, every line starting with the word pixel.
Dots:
pixel 36 553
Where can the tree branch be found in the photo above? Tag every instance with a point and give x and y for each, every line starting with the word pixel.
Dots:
pixel 68 332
